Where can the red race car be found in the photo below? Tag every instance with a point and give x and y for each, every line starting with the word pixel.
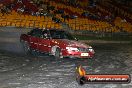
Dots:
pixel 58 43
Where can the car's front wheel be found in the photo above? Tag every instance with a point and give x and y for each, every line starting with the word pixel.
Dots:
pixel 58 54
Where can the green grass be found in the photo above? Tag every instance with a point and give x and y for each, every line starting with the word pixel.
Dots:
pixel 82 37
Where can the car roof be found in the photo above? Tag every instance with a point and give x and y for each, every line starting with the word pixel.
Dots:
pixel 55 30
pixel 50 29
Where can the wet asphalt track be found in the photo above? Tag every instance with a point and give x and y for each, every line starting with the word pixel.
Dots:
pixel 42 71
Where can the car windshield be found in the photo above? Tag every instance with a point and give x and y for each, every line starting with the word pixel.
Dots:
pixel 61 35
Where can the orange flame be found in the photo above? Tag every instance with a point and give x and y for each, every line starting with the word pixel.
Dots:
pixel 81 71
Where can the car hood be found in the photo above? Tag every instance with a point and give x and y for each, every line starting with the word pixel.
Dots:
pixel 72 43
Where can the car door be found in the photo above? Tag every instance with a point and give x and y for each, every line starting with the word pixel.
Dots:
pixel 44 42
pixel 34 37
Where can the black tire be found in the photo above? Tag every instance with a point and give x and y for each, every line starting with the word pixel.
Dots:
pixel 57 53
pixel 26 48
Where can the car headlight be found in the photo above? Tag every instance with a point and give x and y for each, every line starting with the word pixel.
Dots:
pixel 91 50
pixel 71 49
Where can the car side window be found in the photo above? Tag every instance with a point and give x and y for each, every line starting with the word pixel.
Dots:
pixel 45 34
pixel 55 35
pixel 36 32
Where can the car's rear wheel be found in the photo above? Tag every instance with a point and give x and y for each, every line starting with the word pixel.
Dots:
pixel 58 54
pixel 26 48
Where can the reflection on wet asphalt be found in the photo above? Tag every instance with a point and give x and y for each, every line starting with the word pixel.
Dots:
pixel 42 71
